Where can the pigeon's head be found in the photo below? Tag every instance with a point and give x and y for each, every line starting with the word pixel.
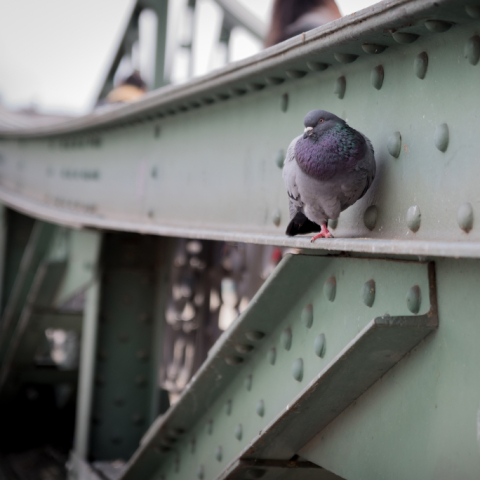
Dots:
pixel 317 122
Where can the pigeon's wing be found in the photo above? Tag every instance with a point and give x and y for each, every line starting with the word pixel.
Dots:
pixel 360 179
pixel 289 174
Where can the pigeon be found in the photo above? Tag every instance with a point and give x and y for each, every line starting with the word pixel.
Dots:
pixel 326 170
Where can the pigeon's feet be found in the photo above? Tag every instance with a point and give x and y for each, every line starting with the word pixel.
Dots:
pixel 324 233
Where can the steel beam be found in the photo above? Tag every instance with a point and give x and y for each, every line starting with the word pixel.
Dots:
pixel 285 369
pixel 121 355
pixel 35 253
pixel 201 160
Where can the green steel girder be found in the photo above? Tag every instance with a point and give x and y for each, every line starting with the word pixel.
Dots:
pixel 128 344
pixel 44 286
pixel 17 229
pixel 200 160
pixel 303 351
pixel 35 254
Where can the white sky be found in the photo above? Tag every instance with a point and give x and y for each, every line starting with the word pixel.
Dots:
pixel 55 53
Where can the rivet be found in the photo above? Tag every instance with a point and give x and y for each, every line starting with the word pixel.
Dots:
pixel 280 158
pixel 248 382
pixel 472 50
pixel 176 463
pixel 284 102
pixel 116 439
pixel 441 137
pixel 330 289
pixel 274 80
pixel 405 38
pixel 151 214
pixel 465 217
pixel 414 218
pixel 228 407
pixel 238 431
pixel 373 48
pixel 307 315
pixel 201 472
pixel 238 91
pixel 272 356
pixel 317 66
pixel 377 76
pixel 260 408
pixel 295 73
pixel 138 419
pixel 210 427
pixel 319 345
pixel 243 348
pixel 276 217
pixel 154 172
pixel 333 223
pixel 368 293
pixel 142 355
pixel 254 473
pixel 297 369
pixel 420 65
pixel 254 335
pixel 340 87
pixel 286 338
pixel 220 96
pixel 123 337
pixel 140 380
pixel 437 26
pixel 255 87
pixel 345 57
pixel 394 145
pixel 414 299
pixel 193 445
pixel 370 217
pixel 156 131
pixel 233 361
pixel 473 11
pixel 219 453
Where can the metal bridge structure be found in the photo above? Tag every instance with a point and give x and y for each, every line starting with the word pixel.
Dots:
pixel 357 357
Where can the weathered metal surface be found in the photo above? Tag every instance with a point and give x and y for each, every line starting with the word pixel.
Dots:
pixel 125 397
pixel 33 258
pixel 17 229
pixel 200 160
pixel 424 410
pixel 277 470
pixel 285 369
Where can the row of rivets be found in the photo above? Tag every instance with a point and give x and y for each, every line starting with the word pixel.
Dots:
pixel 464 217
pixel 253 336
pixel 472 52
pixel 413 300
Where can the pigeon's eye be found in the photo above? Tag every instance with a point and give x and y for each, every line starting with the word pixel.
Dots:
pixel 321 120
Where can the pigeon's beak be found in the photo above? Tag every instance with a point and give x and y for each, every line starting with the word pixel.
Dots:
pixel 307 132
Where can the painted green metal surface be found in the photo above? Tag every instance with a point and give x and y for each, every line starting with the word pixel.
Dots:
pixel 177 164
pixel 27 279
pixel 127 352
pixel 17 230
pixel 268 386
pixel 421 419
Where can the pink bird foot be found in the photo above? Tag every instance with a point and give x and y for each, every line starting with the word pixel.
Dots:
pixel 324 233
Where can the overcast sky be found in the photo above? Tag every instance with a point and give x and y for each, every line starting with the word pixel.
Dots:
pixel 55 53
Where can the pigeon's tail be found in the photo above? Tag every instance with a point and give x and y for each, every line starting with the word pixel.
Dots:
pixel 300 224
